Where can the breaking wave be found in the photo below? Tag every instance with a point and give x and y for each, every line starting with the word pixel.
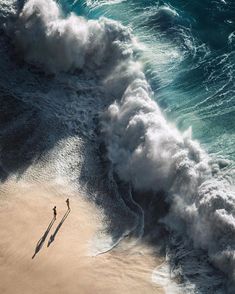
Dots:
pixel 144 149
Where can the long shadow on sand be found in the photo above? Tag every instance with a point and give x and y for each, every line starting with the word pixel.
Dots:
pixel 43 238
pixel 52 237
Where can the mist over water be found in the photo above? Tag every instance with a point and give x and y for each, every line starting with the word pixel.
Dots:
pixel 153 84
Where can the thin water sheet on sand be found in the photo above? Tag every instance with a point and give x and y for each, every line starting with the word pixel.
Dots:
pixel 40 254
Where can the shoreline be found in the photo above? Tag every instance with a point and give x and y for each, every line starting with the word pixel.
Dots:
pixel 62 264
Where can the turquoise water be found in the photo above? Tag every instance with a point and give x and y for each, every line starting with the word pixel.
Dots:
pixel 189 58
pixel 75 97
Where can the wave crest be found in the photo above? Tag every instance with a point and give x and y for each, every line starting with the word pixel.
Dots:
pixel 142 146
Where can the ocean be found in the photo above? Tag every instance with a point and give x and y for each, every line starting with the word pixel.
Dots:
pixel 134 103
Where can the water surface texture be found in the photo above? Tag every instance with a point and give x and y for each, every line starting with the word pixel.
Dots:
pixel 133 102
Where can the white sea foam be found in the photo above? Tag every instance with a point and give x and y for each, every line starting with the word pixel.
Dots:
pixel 7 8
pixel 62 44
pixel 162 275
pixel 143 147
pixel 95 3
pixel 153 155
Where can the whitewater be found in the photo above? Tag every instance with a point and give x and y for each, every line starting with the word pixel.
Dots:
pixel 83 97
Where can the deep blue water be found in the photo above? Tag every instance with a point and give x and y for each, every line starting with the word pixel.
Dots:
pixel 74 97
pixel 189 60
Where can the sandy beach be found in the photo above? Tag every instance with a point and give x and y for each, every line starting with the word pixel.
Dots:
pixel 31 261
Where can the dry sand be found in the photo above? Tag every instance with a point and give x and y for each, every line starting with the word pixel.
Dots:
pixel 66 266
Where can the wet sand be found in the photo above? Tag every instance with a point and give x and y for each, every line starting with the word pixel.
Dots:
pixel 66 264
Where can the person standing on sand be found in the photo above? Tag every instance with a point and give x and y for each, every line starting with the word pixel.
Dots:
pixel 67 202
pixel 55 212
